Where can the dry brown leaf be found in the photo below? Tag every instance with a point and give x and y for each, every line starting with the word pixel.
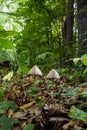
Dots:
pixel 10 113
pixel 14 88
pixel 68 125
pixel 20 115
pixel 28 105
pixel 77 128
pixel 23 124
pixel 34 110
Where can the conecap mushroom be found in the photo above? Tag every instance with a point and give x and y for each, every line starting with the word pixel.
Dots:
pixel 52 75
pixel 35 71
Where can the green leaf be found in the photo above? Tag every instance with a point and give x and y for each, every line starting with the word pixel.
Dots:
pixel 1 1
pixel 7 104
pixel 36 83
pixel 1 111
pixel 83 95
pixel 6 44
pixel 6 55
pixel 1 28
pixel 84 59
pixel 1 94
pixel 69 91
pixel 82 85
pixel 6 122
pixel 85 71
pixel 19 1
pixel 69 94
pixel 29 127
pixel 5 34
pixel 75 113
pixel 76 60
pixel 22 69
pixel 43 55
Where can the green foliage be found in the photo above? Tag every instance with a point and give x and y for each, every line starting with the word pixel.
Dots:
pixel 22 70
pixel 40 43
pixel 76 60
pixel 1 94
pixel 6 123
pixel 82 63
pixel 6 55
pixel 75 74
pixel 33 30
pixel 7 104
pixel 33 92
pixel 20 1
pixel 49 84
pixel 83 95
pixel 4 38
pixel 70 91
pixel 6 44
pixel 29 127
pixel 82 85
pixel 36 83
pixel 4 33
pixel 75 113
pixel 84 59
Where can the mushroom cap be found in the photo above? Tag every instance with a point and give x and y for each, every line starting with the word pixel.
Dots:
pixel 35 71
pixel 53 74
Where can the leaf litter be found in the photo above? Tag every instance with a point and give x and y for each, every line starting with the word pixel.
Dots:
pixel 37 109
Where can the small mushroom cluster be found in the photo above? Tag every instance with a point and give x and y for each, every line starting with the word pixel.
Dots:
pixel 35 71
pixel 52 75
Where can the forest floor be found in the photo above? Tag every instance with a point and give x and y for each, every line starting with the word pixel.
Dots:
pixel 43 104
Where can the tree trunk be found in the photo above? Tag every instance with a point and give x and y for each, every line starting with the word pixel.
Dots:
pixel 67 31
pixel 64 29
pixel 82 26
pixel 70 21
pixel 64 22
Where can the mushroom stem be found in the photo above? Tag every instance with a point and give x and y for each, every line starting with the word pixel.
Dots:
pixel 53 90
pixel 53 86
pixel 52 75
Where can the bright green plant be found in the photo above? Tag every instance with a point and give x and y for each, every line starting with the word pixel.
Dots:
pixel 6 123
pixel 81 63
pixel 5 39
pixel 1 94
pixel 7 104
pixel 29 127
pixel 83 59
pixel 75 113
pixel 33 92
pixel 36 83
pixel 69 91
pixel 83 95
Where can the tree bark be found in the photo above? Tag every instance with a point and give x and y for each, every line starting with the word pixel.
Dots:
pixel 70 21
pixel 82 26
pixel 67 31
pixel 64 22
